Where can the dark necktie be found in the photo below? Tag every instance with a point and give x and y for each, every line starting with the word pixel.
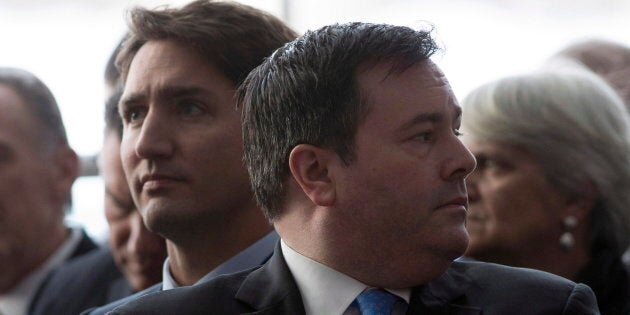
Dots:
pixel 376 302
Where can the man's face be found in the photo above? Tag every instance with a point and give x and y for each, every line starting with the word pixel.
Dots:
pixel 28 191
pixel 138 252
pixel 403 200
pixel 514 210
pixel 182 146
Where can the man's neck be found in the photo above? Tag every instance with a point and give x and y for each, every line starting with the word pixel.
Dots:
pixel 190 261
pixel 22 269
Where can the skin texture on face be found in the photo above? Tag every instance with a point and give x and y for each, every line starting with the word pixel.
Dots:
pixel 31 196
pixel 400 207
pixel 515 213
pixel 182 144
pixel 138 252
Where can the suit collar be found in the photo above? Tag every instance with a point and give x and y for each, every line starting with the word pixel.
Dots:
pixel 445 295
pixel 280 296
pixel 84 245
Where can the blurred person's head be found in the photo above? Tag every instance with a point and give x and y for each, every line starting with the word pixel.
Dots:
pixel 351 143
pixel 608 59
pixel 182 147
pixel 112 74
pixel 552 184
pixel 37 170
pixel 138 252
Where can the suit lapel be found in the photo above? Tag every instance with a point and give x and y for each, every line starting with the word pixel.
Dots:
pixel 281 295
pixel 445 295
pixel 85 245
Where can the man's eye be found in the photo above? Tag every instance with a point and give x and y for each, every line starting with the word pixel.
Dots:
pixel 190 108
pixel 6 154
pixel 485 163
pixel 424 137
pixel 134 114
pixel 457 133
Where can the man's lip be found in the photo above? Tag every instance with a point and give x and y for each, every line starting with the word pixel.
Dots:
pixel 157 177
pixel 151 177
pixel 459 201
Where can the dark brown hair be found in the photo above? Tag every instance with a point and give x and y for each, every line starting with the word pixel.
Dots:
pixel 233 37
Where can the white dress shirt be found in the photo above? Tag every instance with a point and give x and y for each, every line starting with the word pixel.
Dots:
pixel 327 291
pixel 252 256
pixel 17 301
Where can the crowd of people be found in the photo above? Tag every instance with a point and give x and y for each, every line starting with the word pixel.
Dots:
pixel 250 169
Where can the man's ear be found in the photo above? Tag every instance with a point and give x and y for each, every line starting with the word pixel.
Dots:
pixel 310 168
pixel 66 172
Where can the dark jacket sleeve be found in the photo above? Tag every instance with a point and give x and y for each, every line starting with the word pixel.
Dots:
pixel 581 301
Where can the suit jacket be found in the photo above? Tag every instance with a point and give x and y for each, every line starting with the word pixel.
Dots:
pixel 257 253
pixel 90 280
pixel 85 246
pixel 465 288
pixel 112 305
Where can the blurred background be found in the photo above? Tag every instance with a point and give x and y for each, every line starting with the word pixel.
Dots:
pixel 67 42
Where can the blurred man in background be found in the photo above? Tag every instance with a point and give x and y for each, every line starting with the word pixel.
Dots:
pixel 37 170
pixel 607 59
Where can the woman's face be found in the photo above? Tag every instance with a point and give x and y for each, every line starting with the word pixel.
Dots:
pixel 513 209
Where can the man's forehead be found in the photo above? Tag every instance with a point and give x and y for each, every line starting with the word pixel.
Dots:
pixel 380 81
pixel 13 109
pixel 387 68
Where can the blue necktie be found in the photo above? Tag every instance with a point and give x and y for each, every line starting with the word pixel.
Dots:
pixel 376 302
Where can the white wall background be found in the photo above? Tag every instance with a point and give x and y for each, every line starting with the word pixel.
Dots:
pixel 67 42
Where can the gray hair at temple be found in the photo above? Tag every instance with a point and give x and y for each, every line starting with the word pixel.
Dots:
pixel 575 126
pixel 40 101
pixel 608 59
pixel 42 104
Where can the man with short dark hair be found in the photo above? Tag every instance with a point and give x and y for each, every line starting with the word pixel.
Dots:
pixel 37 170
pixel 351 142
pixel 182 146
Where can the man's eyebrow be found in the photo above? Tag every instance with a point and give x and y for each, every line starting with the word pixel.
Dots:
pixel 429 118
pixel 129 100
pixel 421 119
pixel 170 92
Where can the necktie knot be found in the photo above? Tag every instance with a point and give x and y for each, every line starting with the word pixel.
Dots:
pixel 376 302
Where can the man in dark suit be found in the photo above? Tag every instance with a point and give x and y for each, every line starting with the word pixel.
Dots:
pixel 182 147
pixel 37 170
pixel 351 141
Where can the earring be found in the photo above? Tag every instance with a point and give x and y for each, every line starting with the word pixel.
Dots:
pixel 567 241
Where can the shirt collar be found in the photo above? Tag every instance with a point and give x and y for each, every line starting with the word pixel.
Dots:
pixel 252 256
pixel 17 301
pixel 323 289
pixel 167 280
